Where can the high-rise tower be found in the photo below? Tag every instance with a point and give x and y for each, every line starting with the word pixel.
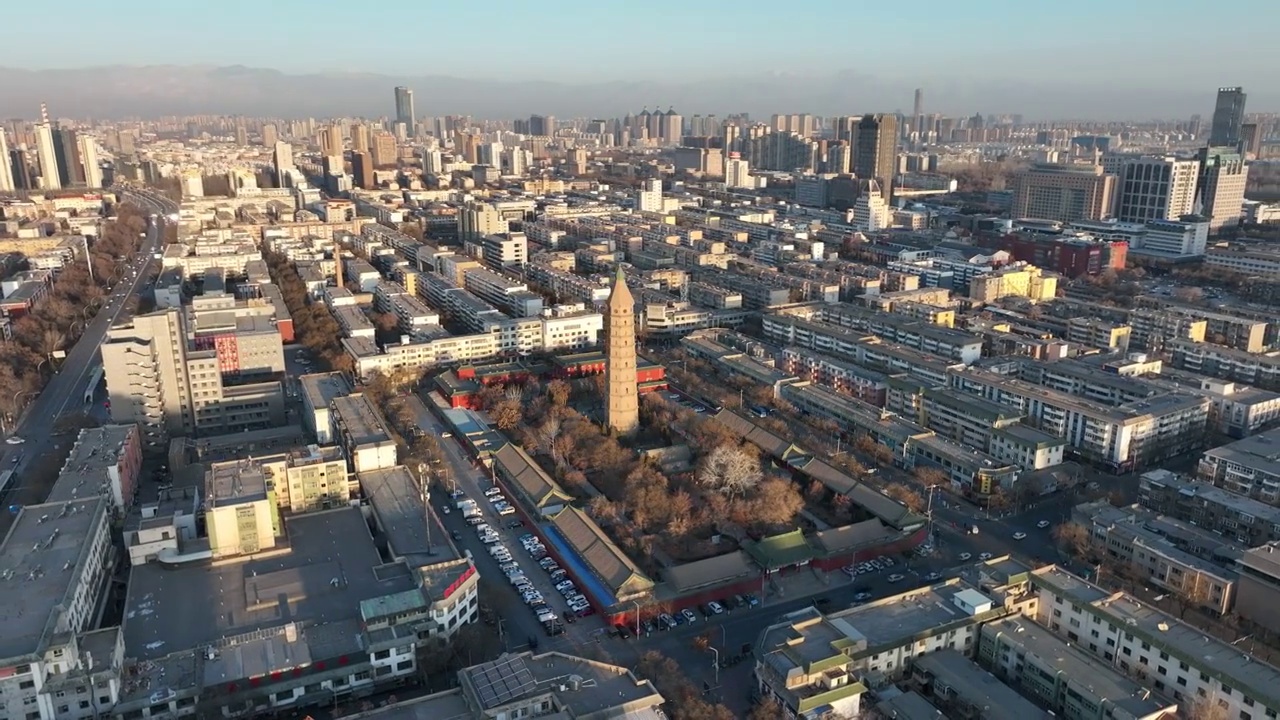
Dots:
pixel 875 152
pixel 621 399
pixel 404 108
pixel 89 160
pixel 46 155
pixel 6 167
pixel 917 115
pixel 1228 116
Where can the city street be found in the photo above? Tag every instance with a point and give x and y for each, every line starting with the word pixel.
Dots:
pixel 66 388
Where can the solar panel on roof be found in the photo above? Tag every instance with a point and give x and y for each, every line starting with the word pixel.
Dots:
pixel 502 681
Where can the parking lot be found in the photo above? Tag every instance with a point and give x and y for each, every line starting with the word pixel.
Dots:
pixel 541 583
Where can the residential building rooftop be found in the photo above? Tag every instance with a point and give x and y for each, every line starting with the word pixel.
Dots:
pixel 40 560
pixel 969 684
pixel 330 566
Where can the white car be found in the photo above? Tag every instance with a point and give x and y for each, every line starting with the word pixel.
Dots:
pixel 984 556
pixel 14 440
pixel 965 556
pixel 1042 524
pixel 1019 535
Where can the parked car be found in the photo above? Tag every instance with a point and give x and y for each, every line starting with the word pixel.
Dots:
pixel 666 622
pixel 895 578
pixel 623 632
pixel 715 607
pixel 1042 524
pixel 688 615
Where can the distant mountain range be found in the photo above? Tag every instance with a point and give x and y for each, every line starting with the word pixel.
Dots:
pixel 155 90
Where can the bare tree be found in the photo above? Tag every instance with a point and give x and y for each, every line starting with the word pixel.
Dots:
pixel 1073 538
pixel 548 433
pixel 906 496
pixel 514 393
pixel 51 340
pixel 1207 708
pixel 730 470
pixel 558 391
pixel 506 415
pixel 931 476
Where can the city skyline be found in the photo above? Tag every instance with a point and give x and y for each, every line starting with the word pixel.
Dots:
pixel 154 91
pixel 994 57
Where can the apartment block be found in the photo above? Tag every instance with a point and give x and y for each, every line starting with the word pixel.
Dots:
pixel 1131 537
pixel 1154 648
pixel 1096 333
pixel 1258 598
pixel 810 662
pixel 965 691
pixel 246 335
pixel 1246 467
pixel 241 515
pixel 832 330
pixel 159 380
pixel 369 358
pixel 353 322
pixel 1061 677
pixel 1151 329
pixel 843 376
pixel 504 250
pixel 1019 280
pixel 318 392
pixel 54 563
pixel 1244 521
pixel 1127 436
pixel 104 461
pixel 362 433
pixel 1258 369
pixel 503 292
pixel 1238 410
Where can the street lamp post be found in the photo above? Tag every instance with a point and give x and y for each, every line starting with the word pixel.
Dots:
pixel 715 665
pixel 636 603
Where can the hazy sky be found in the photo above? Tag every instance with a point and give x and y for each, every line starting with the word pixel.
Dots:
pixel 1106 47
pixel 1156 41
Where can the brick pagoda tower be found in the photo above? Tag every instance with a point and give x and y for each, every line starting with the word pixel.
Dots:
pixel 621 399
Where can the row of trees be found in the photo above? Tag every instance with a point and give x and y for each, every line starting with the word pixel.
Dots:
pixel 56 321
pixel 313 324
